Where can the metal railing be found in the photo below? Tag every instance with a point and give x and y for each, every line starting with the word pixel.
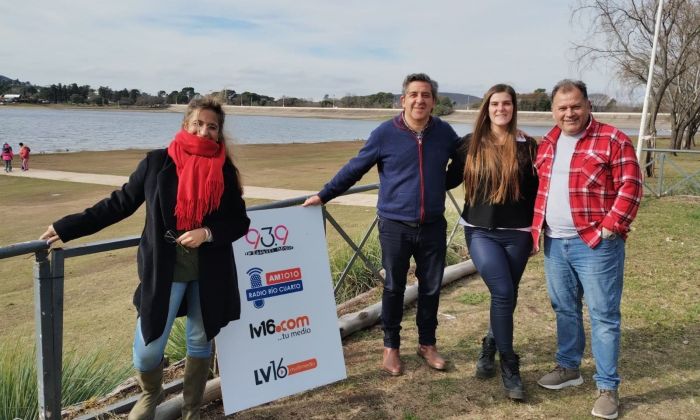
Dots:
pixel 49 283
pixel 663 183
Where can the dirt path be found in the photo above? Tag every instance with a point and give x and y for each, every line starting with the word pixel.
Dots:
pixel 364 200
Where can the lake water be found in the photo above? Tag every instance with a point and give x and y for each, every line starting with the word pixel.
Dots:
pixel 50 130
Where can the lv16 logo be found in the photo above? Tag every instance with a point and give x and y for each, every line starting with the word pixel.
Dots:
pixel 288 328
pixel 276 371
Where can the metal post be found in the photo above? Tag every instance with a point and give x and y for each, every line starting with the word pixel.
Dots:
pixel 661 175
pixel 459 216
pixel 348 266
pixel 650 76
pixel 48 318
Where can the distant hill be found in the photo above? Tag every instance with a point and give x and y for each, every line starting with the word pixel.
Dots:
pixel 15 82
pixel 461 99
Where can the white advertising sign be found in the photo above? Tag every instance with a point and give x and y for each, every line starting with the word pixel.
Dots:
pixel 287 340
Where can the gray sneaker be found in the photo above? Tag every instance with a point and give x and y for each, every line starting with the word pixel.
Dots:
pixel 606 405
pixel 561 377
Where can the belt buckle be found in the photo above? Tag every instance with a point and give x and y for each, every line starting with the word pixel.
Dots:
pixel 411 224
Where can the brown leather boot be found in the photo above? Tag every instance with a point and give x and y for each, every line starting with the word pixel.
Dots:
pixel 152 385
pixel 391 362
pixel 432 357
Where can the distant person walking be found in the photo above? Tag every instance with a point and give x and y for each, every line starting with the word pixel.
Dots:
pixel 589 193
pixel 24 155
pixel 7 156
pixel 500 186
pixel 411 152
pixel 194 211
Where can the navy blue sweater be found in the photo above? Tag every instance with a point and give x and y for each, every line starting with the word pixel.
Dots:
pixel 411 170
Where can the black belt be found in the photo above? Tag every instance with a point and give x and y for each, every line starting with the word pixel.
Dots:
pixel 409 224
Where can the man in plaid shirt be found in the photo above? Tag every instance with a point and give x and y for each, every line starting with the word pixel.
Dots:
pixel 589 192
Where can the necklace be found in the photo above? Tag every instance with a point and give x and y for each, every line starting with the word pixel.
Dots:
pixel 419 133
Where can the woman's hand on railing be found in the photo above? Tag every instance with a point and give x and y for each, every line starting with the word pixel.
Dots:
pixel 50 236
pixel 314 200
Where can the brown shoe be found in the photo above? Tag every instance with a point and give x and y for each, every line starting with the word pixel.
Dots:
pixel 432 357
pixel 391 362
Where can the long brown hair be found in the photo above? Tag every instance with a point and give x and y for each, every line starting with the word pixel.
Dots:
pixel 212 104
pixel 491 172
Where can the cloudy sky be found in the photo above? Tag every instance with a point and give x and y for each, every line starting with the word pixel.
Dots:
pixel 302 48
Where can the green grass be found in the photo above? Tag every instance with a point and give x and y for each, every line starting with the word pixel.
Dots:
pixel 474 298
pixel 661 317
pixel 674 168
pixel 658 359
pixel 359 277
pixel 85 376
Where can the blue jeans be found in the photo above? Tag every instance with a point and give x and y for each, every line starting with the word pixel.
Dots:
pixel 575 271
pixel 147 357
pixel 500 255
pixel 427 244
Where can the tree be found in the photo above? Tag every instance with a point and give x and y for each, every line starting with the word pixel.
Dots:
pixel 684 99
pixel 599 101
pixel 145 99
pixel 172 97
pixel 134 95
pixel 105 93
pixel 76 99
pixel 380 100
pixel 253 99
pixel 622 33
pixel 122 97
pixel 186 94
pixel 350 101
pixel 226 96
pixel 326 102
pixel 535 101
pixel 443 106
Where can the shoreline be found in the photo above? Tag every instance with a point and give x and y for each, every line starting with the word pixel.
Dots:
pixel 626 120
pixel 623 120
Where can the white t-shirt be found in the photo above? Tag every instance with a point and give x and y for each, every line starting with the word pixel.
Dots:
pixel 560 223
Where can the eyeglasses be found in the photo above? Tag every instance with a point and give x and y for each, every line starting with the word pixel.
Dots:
pixel 171 237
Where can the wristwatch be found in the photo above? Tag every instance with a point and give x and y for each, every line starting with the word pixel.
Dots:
pixel 611 235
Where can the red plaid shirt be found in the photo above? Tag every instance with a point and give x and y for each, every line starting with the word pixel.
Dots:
pixel 605 182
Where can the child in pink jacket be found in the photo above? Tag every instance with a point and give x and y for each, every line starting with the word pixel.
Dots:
pixel 7 156
pixel 24 155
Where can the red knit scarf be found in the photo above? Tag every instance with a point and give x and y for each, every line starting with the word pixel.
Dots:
pixel 199 162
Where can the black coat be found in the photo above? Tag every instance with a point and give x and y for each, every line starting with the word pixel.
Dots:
pixel 155 182
pixel 512 214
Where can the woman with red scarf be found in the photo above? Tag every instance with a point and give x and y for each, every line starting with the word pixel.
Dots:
pixel 194 211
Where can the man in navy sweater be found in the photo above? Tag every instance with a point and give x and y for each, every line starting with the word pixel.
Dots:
pixel 411 151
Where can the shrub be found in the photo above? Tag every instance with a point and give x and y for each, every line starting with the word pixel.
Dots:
pixel 176 349
pixel 84 377
pixel 359 278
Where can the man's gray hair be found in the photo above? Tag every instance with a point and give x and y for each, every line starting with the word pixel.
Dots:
pixel 421 77
pixel 568 84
